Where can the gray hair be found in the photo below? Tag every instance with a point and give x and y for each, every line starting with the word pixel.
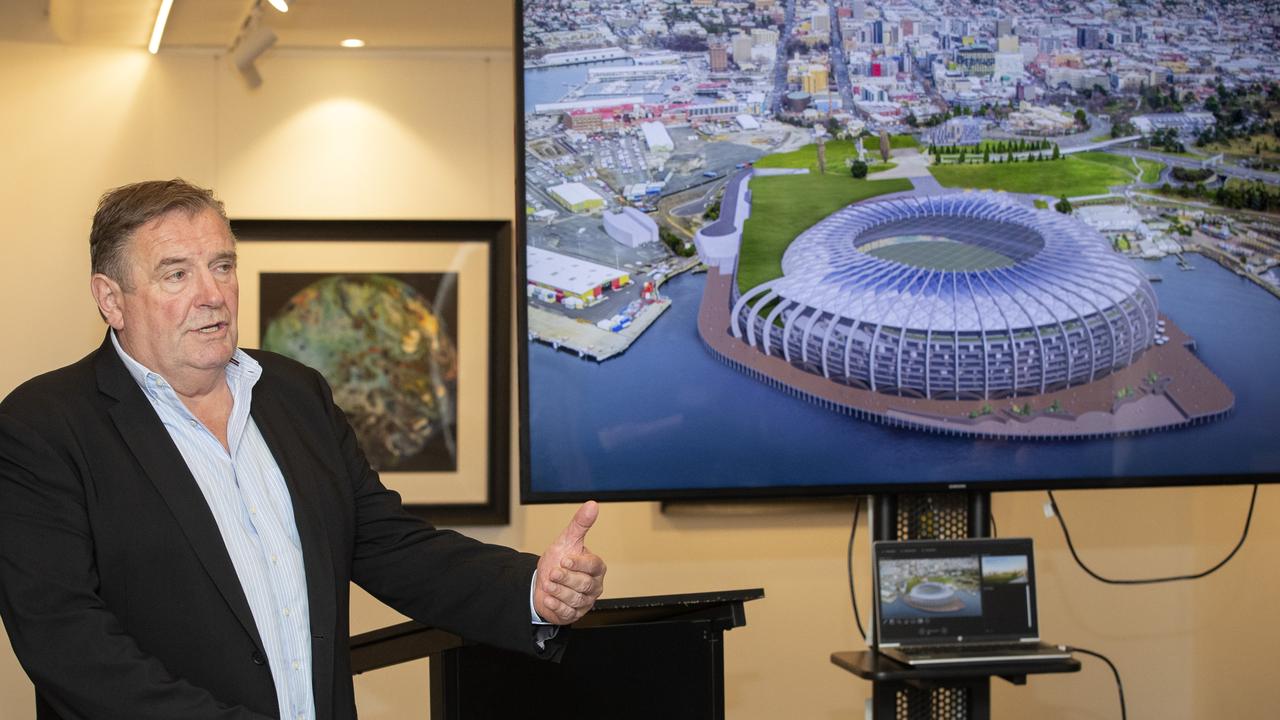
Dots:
pixel 123 210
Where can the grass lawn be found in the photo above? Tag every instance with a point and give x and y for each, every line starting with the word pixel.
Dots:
pixel 783 206
pixel 807 157
pixel 896 142
pixel 1070 176
pixel 1150 168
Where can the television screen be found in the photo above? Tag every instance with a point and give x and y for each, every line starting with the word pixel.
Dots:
pixel 776 247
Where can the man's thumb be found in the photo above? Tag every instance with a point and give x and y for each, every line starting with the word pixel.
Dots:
pixel 582 521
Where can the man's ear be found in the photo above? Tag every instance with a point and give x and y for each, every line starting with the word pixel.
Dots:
pixel 110 298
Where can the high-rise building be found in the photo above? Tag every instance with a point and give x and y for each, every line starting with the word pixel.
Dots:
pixel 859 9
pixel 908 27
pixel 815 81
pixel 1004 26
pixel 718 50
pixel 821 22
pixel 742 49
pixel 764 36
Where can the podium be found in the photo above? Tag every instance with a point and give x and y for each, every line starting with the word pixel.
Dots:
pixel 638 657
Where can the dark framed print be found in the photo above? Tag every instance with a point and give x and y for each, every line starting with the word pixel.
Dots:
pixel 409 322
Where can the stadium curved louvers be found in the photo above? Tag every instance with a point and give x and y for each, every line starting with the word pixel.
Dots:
pixel 951 297
pixel 931 596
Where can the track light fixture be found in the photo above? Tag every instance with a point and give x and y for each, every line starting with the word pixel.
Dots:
pixel 253 39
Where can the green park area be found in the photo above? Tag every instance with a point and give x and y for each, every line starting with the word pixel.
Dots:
pixel 1150 168
pixel 783 206
pixel 896 142
pixel 837 152
pixel 1071 176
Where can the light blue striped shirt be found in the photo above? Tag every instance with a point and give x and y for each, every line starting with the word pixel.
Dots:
pixel 250 503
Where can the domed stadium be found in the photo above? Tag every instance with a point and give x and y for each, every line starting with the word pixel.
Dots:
pixel 932 596
pixel 961 296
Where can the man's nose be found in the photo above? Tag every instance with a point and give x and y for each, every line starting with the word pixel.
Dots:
pixel 209 291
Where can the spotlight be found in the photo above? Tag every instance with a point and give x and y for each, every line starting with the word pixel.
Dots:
pixel 251 43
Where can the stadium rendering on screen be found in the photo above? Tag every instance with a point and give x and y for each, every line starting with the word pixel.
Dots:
pixel 759 259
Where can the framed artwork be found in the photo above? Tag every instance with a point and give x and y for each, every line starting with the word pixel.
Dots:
pixel 409 322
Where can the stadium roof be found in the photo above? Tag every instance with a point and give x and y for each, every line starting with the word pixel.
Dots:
pixel 1036 268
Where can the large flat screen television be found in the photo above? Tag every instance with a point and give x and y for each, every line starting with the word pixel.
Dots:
pixel 780 248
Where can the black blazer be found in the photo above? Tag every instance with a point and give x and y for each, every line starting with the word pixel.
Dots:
pixel 118 593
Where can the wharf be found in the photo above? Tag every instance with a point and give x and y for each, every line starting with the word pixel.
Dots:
pixel 584 338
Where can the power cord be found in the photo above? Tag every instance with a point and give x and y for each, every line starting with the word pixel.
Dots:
pixel 1151 581
pixel 853 532
pixel 1114 671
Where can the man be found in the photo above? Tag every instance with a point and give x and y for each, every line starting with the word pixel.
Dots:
pixel 180 519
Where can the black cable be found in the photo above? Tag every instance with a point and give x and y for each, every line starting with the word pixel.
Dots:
pixel 1114 671
pixel 1150 581
pixel 992 518
pixel 853 532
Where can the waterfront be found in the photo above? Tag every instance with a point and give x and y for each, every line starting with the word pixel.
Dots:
pixel 667 414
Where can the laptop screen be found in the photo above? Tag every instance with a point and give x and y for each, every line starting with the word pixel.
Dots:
pixel 933 592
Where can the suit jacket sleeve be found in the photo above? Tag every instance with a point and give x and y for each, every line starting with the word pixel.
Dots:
pixel 437 577
pixel 73 647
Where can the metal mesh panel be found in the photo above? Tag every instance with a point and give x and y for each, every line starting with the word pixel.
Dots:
pixel 935 704
pixel 933 517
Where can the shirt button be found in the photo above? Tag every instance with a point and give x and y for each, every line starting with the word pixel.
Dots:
pixel 297 665
pixel 194 423
pixel 286 612
pixel 274 560
pixel 257 658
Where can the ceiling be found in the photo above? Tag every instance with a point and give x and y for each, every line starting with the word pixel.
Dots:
pixel 213 24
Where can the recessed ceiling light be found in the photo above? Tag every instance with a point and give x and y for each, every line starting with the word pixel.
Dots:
pixel 352 43
pixel 281 5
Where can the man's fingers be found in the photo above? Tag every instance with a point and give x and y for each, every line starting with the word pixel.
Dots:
pixel 582 521
pixel 560 612
pixel 584 562
pixel 579 581
pixel 568 596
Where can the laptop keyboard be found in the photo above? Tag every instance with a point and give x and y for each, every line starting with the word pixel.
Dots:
pixel 962 651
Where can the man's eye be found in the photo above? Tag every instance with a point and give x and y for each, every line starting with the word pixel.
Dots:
pixel 177 275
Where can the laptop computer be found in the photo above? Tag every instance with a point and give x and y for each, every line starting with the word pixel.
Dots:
pixel 943 602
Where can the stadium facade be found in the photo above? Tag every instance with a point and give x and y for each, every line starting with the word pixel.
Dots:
pixel 954 297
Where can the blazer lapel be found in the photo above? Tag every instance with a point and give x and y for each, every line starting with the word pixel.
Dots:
pixel 272 417
pixel 163 463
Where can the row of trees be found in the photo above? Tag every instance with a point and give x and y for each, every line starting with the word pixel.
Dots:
pixel 999 147
pixel 1165 139
pixel 1239 196
pixel 964 158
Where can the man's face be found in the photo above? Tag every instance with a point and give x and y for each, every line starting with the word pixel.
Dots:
pixel 179 318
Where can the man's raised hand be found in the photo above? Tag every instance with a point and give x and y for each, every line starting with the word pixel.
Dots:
pixel 570 577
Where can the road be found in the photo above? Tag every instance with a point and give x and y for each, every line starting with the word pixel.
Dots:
pixel 1193 162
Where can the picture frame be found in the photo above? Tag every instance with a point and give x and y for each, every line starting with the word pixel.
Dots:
pixel 461 475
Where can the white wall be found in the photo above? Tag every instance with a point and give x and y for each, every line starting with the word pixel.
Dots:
pixel 430 136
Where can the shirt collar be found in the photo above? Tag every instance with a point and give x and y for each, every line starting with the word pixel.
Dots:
pixel 241 366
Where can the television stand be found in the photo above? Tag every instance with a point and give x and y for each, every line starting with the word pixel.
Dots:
pixel 951 693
